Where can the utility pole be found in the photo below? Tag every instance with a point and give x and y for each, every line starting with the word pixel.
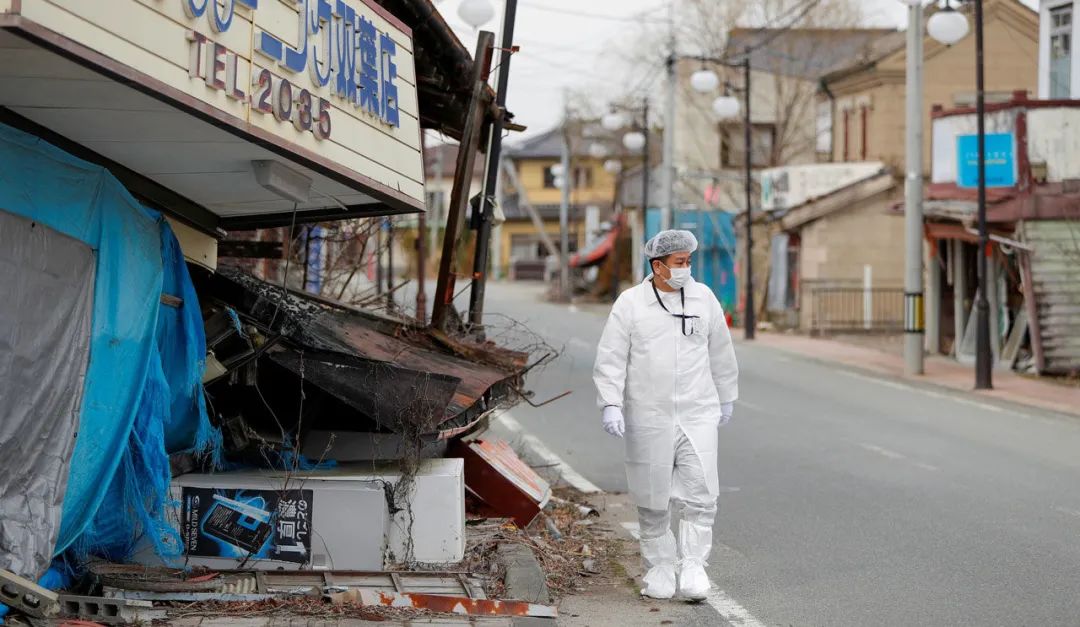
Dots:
pixel 913 192
pixel 669 125
pixel 984 358
pixel 564 210
pixel 486 209
pixel 749 323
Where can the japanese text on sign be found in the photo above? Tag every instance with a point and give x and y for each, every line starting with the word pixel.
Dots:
pixel 343 53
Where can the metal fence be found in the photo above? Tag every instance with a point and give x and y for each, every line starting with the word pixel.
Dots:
pixel 838 308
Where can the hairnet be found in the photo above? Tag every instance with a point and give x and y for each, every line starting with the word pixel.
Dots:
pixel 668 242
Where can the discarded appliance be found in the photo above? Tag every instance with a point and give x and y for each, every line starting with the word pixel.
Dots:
pixel 347 517
pixel 502 483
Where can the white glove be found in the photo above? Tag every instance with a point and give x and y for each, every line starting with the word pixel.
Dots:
pixel 613 421
pixel 726 411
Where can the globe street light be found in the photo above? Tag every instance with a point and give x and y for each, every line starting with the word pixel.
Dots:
pixel 613 166
pixel 947 26
pixel 598 151
pixel 726 107
pixel 634 140
pixel 613 121
pixel 704 81
pixel 476 13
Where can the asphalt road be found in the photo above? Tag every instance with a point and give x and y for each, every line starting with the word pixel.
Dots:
pixel 848 499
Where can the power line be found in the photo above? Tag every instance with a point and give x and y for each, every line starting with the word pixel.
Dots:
pixel 636 18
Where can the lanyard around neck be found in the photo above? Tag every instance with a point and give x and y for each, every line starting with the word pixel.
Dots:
pixel 681 316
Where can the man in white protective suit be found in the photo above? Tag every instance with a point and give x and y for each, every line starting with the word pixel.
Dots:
pixel 667 379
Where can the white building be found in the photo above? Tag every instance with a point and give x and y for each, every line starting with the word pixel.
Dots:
pixel 1059 65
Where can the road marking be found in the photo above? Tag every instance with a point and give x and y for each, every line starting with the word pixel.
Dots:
pixel 884 452
pixel 730 609
pixel 546 457
pixel 1067 511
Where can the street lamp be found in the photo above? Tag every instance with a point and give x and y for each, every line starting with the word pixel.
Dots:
pixel 613 121
pixel 726 107
pixel 476 13
pixel 949 27
pixel 634 140
pixel 704 81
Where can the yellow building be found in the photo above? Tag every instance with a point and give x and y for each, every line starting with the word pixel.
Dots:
pixel 522 252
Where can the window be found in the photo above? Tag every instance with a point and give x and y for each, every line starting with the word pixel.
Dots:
pixel 824 129
pixel 864 124
pixel 1061 52
pixel 733 142
pixel 847 135
pixel 549 178
pixel 583 177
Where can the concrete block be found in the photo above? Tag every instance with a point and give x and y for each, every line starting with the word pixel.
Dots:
pixel 26 596
pixel 525 579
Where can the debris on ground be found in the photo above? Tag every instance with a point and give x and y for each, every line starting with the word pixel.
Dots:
pixel 582 549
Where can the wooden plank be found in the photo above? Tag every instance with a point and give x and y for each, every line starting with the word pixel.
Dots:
pixel 1031 302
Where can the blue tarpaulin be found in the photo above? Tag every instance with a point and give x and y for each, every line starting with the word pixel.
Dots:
pixel 714 262
pixel 142 394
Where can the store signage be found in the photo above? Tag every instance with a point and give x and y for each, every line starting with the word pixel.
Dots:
pixel 331 80
pixel 1000 160
pixel 340 49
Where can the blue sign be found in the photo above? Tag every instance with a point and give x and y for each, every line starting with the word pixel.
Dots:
pixel 1000 160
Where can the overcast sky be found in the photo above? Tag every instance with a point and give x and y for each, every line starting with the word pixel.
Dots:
pixel 564 46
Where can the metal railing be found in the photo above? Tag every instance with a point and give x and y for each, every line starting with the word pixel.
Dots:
pixel 846 308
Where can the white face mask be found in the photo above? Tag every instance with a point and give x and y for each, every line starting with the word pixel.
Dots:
pixel 679 277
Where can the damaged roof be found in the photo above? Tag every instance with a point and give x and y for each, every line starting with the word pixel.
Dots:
pixel 401 377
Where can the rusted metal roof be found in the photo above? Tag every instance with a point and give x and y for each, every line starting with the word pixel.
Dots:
pixel 386 369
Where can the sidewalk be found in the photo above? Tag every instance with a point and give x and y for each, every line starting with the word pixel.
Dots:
pixel 942 372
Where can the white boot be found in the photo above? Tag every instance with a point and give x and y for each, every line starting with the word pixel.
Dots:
pixel 695 543
pixel 659 556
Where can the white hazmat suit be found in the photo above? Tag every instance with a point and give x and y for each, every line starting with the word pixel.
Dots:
pixel 671 369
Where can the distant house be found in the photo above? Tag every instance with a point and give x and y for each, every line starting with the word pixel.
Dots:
pixel 1033 212
pixel 841 238
pixel 522 252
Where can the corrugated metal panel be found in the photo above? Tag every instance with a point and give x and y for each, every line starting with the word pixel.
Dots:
pixel 1055 269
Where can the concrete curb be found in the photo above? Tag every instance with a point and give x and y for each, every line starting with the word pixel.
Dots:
pixel 923 382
